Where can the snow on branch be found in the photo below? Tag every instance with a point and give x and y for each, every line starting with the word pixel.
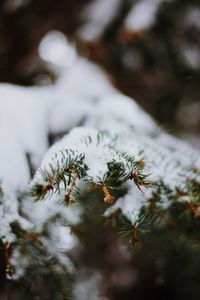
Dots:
pixel 149 167
pixel 89 156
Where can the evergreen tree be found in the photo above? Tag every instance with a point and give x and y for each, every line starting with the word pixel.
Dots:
pixel 96 200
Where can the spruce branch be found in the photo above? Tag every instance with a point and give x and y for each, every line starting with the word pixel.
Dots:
pixel 68 166
pixel 60 172
pixel 96 160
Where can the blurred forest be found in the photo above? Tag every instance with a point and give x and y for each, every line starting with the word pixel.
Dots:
pixel 156 63
pixel 159 66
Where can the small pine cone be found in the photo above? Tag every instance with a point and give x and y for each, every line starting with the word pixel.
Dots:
pixel 109 199
pixel 134 236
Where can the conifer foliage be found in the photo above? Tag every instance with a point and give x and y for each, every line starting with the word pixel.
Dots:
pixel 96 200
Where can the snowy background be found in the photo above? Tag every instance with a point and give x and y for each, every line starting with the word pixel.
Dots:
pixel 92 71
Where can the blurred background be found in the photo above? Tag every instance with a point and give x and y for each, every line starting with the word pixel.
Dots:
pixel 151 51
